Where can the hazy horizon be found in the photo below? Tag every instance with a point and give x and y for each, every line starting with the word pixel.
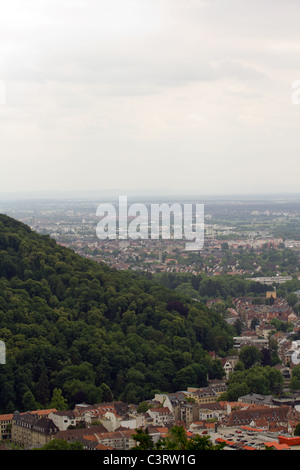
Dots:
pixel 180 196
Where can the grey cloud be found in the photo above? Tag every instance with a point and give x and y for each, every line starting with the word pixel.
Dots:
pixel 81 88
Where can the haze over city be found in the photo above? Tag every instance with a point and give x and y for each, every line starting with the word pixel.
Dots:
pixel 169 95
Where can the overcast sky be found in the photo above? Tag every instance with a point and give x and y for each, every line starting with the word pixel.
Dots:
pixel 180 95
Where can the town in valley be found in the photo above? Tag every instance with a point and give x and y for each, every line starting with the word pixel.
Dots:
pixel 254 240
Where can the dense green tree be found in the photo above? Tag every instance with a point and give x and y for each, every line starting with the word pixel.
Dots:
pixel 250 355
pixel 257 379
pixel 58 401
pixel 295 379
pixel 76 328
pixel 29 403
pixel 236 390
pixel 43 389
pixel 292 299
pixel 216 370
pixel 143 440
pixel 297 430
pixel 177 439
pixel 61 444
pixel 143 407
pixel 106 393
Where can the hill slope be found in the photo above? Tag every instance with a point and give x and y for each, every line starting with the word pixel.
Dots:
pixel 91 331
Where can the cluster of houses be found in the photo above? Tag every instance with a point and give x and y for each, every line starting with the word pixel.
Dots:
pixel 253 420
pixel 258 328
pixel 247 310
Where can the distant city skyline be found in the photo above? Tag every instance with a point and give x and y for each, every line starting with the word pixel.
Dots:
pixel 155 96
pixel 155 195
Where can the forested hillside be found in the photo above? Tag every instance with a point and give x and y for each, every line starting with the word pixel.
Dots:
pixel 92 332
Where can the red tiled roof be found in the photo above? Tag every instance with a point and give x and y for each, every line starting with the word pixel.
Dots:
pixel 291 440
pixel 276 445
pixel 104 447
pixel 164 409
pixel 209 425
pixel 90 437
pixel 44 412
pixel 162 430
pixel 7 417
pixel 249 428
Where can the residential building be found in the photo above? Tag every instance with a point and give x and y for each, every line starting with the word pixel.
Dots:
pixel 118 440
pixel 241 341
pixel 63 419
pixel 265 417
pixel 173 401
pixel 71 435
pixel 157 432
pixel 138 421
pixel 30 430
pixel 257 399
pixel 203 395
pixel 189 412
pixel 5 426
pixel 228 364
pixel 6 421
pixel 206 414
pixel 109 414
pixel 159 416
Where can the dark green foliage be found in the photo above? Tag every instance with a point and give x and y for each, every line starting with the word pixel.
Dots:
pixel 258 379
pixel 297 430
pixel 203 287
pixel 60 444
pixel 175 440
pixel 92 332
pixel 295 379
